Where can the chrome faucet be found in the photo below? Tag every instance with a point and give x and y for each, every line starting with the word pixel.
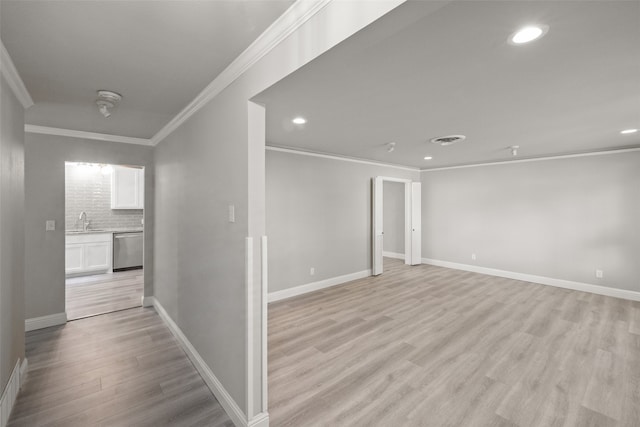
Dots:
pixel 85 221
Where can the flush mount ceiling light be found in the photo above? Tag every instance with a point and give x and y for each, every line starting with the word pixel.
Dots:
pixel 107 100
pixel 447 140
pixel 628 131
pixel 299 120
pixel 528 34
pixel 428 157
pixel 390 147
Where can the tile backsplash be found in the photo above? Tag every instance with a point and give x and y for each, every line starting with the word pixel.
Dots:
pixel 88 189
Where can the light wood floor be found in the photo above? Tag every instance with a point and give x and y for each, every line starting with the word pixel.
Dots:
pixel 118 369
pixel 429 346
pixel 103 293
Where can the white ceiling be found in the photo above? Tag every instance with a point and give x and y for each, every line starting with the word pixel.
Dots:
pixel 158 54
pixel 419 73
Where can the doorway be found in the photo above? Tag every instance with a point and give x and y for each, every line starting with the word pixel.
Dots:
pixel 104 229
pixel 412 222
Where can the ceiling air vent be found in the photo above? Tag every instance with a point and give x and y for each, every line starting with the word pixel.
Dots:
pixel 447 140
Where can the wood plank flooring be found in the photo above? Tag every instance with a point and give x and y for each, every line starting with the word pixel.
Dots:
pixel 430 346
pixel 103 293
pixel 118 369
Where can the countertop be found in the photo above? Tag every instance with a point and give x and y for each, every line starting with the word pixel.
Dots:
pixel 105 230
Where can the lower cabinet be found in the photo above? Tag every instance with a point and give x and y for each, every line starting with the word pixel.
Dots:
pixel 88 254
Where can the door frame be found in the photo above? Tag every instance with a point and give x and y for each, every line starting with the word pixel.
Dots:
pixel 412 223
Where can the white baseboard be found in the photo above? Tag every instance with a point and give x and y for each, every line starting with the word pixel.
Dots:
pixel 542 280
pixel 260 420
pixel 228 403
pixel 45 321
pixel 24 367
pixel 11 390
pixel 395 255
pixel 315 286
pixel 147 301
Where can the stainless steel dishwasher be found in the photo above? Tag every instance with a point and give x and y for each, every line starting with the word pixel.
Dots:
pixel 127 250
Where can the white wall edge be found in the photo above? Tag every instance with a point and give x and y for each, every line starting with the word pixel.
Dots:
pixel 536 159
pixel 542 280
pixel 316 286
pixel 10 73
pixel 294 17
pixel 395 255
pixel 147 301
pixel 47 130
pixel 45 321
pixel 341 158
pixel 228 403
pixel 248 265
pixel 10 393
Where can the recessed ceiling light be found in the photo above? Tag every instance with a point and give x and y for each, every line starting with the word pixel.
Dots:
pixel 428 157
pixel 299 120
pixel 528 34
pixel 626 131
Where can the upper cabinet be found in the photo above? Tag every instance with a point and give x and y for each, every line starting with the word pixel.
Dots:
pixel 127 188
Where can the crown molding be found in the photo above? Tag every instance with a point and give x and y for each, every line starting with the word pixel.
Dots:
pixel 46 130
pixel 12 76
pixel 294 17
pixel 341 158
pixel 536 159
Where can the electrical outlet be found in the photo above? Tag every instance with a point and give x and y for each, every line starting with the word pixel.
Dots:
pixel 473 257
pixel 50 225
pixel 599 274
pixel 312 271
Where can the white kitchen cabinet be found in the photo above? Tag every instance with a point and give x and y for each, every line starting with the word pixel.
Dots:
pixel 88 254
pixel 127 188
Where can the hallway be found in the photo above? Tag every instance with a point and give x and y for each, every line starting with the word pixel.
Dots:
pixel 121 368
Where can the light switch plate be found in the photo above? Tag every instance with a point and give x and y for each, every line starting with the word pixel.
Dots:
pixel 232 213
pixel 50 225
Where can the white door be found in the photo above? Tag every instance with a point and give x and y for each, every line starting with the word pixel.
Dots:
pixel 74 258
pixel 125 188
pixel 416 223
pixel 377 230
pixel 97 256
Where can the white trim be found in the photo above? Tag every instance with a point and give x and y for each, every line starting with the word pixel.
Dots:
pixel 536 159
pixel 260 420
pixel 264 300
pixel 24 368
pixel 146 301
pixel 395 255
pixel 11 390
pixel 46 130
pixel 248 263
pixel 294 17
pixel 230 406
pixel 8 69
pixel 315 286
pixel 549 281
pixel 45 321
pixel 342 158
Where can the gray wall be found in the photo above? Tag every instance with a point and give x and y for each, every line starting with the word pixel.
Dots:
pixel 45 187
pixel 319 215
pixel 88 189
pixel 208 163
pixel 11 232
pixel 393 216
pixel 559 218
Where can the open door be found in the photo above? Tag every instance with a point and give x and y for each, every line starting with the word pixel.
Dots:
pixel 416 223
pixel 377 230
